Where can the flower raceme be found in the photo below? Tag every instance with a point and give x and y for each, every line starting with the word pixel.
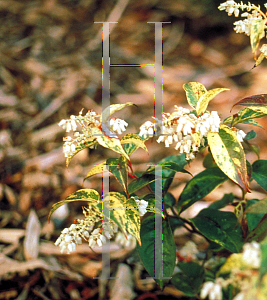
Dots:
pixel 87 122
pixel 85 229
pixel 185 129
pixel 242 26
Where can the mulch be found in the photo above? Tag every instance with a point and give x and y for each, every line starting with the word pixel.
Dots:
pixel 50 68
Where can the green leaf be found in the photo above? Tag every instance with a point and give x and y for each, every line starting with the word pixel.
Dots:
pixel 150 198
pixel 258 207
pixel 132 142
pixel 229 155
pixel 200 186
pixel 109 142
pixel 194 90
pixel 169 200
pixel 255 210
pixel 88 195
pixel 206 98
pixel 124 213
pixel 208 161
pixel 245 115
pixel 118 167
pixel 100 168
pixel 147 250
pixel 108 111
pixel 252 122
pixel 140 182
pixel 87 144
pixel 190 278
pixel 256 33
pixel 259 173
pixel 259 233
pixel 226 199
pixel 221 227
pixel 170 165
pixel 250 135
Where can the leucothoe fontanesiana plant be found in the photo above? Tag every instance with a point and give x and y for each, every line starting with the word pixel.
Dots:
pixel 241 235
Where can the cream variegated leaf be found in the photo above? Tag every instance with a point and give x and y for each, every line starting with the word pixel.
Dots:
pixel 194 91
pixel 206 98
pixel 107 112
pixel 229 155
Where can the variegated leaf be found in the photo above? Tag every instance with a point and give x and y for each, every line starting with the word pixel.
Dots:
pixel 194 91
pixel 229 155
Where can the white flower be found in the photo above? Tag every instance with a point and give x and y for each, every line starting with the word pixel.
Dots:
pixel 240 134
pixel 68 124
pixel 252 254
pixel 239 296
pixel 142 205
pixel 68 239
pixel 68 148
pixel 147 129
pixel 213 289
pixel 127 242
pixel 118 125
pixel 230 7
pixel 96 238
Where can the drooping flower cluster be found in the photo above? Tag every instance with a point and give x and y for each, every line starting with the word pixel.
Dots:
pixel 243 26
pixel 87 122
pixel 84 229
pixel 184 128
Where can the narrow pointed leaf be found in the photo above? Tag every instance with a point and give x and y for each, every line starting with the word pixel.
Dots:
pixel 118 167
pixel 229 155
pixel 109 142
pixel 88 195
pixel 124 213
pixel 259 233
pixel 256 33
pixel 200 186
pixel 87 144
pixel 132 222
pixel 255 100
pixel 226 199
pixel 132 142
pixel 206 98
pixel 96 170
pixel 140 182
pixel 252 122
pixel 259 60
pixel 147 250
pixel 259 173
pixel 221 227
pixel 194 90
pixel 111 110
pixel 246 114
pixel 254 212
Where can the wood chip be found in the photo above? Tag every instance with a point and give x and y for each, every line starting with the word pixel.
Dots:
pixel 31 241
pixel 122 287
